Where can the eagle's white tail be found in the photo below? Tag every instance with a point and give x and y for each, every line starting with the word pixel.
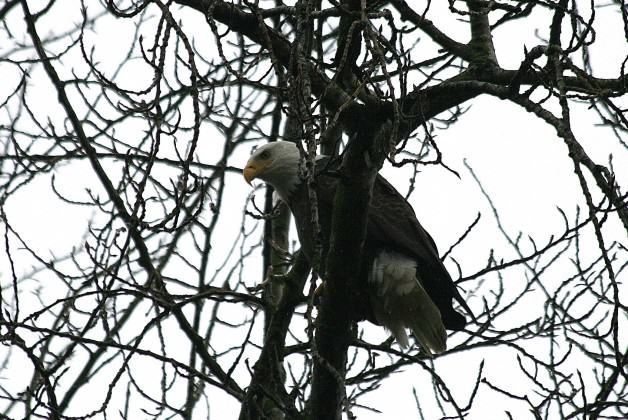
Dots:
pixel 399 301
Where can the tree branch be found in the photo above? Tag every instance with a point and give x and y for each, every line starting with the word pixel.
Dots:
pixel 144 255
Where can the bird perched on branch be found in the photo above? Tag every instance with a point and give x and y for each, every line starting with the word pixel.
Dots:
pixel 405 283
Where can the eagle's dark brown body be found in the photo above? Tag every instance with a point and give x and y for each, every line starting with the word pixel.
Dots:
pixel 392 225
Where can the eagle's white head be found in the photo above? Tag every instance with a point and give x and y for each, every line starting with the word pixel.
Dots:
pixel 277 164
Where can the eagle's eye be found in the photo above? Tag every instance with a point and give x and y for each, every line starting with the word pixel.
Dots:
pixel 265 154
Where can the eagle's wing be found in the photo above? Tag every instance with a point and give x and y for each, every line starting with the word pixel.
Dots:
pixel 393 226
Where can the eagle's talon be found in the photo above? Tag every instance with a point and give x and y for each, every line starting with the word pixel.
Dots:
pixel 318 293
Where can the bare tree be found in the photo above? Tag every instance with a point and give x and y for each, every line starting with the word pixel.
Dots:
pixel 130 120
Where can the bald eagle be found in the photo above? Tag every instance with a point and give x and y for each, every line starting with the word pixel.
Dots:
pixel 405 283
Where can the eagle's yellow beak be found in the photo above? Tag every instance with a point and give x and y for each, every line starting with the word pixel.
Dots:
pixel 249 173
pixel 253 169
